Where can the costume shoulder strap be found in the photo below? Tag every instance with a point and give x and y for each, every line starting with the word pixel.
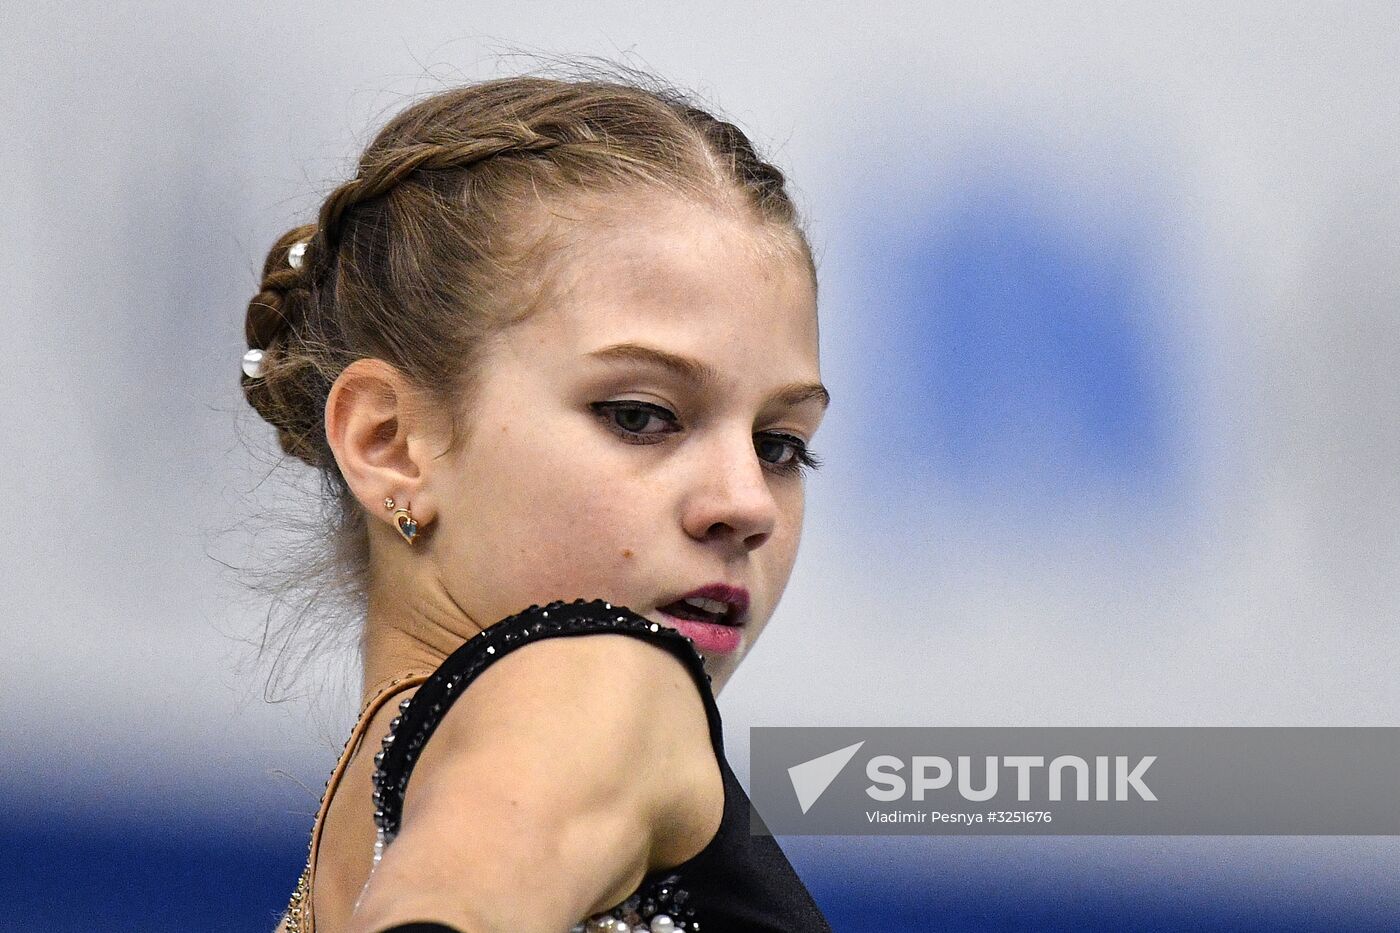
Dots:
pixel 299 915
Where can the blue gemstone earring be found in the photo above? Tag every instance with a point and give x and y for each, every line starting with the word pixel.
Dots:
pixel 403 520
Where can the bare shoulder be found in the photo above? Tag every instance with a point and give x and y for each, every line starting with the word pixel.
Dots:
pixel 609 712
pixel 595 694
pixel 584 759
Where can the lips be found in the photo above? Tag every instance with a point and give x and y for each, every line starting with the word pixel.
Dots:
pixel 716 603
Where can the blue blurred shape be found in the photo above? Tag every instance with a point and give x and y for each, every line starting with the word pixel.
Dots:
pixel 1022 358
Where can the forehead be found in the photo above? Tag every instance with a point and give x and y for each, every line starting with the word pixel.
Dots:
pixel 663 270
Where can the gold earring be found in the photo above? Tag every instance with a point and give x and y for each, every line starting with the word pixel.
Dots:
pixel 403 521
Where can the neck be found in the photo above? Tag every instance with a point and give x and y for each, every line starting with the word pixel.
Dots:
pixel 390 653
pixel 409 627
pixel 406 635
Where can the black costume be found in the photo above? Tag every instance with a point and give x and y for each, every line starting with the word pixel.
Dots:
pixel 738 883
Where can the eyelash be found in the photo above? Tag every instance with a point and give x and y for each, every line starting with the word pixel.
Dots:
pixel 803 459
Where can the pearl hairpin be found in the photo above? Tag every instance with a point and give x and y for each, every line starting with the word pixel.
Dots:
pixel 253 364
pixel 253 359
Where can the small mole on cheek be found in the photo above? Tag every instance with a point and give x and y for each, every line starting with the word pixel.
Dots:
pixel 627 552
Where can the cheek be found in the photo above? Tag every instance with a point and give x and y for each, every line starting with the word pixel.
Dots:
pixel 553 516
pixel 789 531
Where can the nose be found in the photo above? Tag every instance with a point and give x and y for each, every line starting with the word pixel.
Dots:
pixel 731 499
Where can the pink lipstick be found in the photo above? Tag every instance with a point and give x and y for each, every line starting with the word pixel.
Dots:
pixel 710 616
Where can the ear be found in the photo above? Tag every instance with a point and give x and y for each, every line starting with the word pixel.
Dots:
pixel 382 437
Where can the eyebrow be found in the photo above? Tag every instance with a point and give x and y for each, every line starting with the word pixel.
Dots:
pixel 702 374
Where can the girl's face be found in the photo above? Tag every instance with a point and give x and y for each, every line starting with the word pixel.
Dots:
pixel 643 437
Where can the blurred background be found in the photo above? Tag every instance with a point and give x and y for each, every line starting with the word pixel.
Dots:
pixel 1108 316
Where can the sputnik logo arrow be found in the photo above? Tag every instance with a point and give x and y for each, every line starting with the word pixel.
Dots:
pixel 811 778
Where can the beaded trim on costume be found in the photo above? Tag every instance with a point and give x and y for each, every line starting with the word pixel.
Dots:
pixel 292 923
pixel 659 905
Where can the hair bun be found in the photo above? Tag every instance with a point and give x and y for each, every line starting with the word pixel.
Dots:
pixel 284 272
pixel 283 391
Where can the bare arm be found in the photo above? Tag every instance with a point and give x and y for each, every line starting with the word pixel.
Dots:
pixel 567 770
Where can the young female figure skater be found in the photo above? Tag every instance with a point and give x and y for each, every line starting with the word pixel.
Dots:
pixel 554 348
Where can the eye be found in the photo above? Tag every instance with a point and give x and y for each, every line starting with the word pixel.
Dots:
pixel 782 454
pixel 629 420
pixel 791 455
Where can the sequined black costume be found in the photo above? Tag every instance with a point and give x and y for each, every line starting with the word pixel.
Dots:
pixel 738 883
